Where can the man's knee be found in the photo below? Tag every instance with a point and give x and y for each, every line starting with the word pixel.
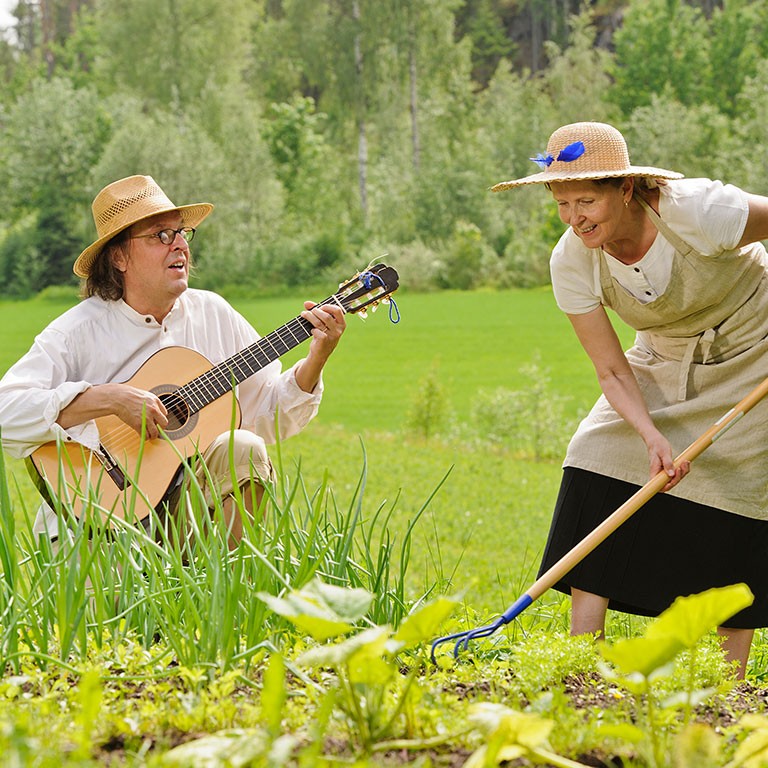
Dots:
pixel 243 451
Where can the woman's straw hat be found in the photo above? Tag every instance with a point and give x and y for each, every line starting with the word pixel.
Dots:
pixel 585 151
pixel 123 203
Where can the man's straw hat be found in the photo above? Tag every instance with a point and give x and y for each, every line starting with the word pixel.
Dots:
pixel 581 151
pixel 123 203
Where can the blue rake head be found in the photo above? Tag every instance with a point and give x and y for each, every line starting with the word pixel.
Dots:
pixel 463 638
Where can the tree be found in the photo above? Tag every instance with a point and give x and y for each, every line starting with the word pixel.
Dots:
pixel 738 42
pixel 52 137
pixel 577 80
pixel 482 23
pixel 167 52
pixel 661 43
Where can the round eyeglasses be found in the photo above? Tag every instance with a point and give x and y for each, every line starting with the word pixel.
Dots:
pixel 167 236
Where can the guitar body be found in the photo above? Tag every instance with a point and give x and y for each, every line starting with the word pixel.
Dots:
pixel 75 474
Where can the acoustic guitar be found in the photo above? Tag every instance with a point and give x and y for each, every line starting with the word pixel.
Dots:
pixel 129 475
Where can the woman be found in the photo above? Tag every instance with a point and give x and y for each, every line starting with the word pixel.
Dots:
pixel 679 261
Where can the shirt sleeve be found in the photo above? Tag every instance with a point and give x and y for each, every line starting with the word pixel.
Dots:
pixel 575 276
pixel 32 394
pixel 709 215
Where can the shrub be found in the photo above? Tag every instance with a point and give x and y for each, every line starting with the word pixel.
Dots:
pixel 531 421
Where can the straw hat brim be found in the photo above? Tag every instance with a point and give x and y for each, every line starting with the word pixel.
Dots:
pixel 546 177
pixel 191 216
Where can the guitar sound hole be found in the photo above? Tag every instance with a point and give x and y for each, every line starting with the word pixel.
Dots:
pixel 178 411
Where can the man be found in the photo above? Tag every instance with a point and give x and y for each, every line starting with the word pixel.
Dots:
pixel 137 302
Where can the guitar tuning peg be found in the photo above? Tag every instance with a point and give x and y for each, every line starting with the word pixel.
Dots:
pixel 363 314
pixel 385 300
pixel 374 306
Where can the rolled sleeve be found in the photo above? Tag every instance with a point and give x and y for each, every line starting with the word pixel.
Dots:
pixel 28 414
pixel 276 392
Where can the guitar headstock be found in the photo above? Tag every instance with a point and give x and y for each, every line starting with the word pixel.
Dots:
pixel 368 288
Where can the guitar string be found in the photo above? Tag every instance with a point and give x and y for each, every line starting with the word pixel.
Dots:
pixel 212 382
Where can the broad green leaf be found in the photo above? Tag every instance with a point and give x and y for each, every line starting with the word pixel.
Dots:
pixel 319 628
pixel 680 698
pixel 623 731
pixel 530 731
pixel 642 654
pixel 681 626
pixel 273 693
pixel 487 715
pixel 754 722
pixel 481 759
pixel 368 664
pixel 322 610
pixel 227 749
pixel 690 618
pixel 347 603
pixel 308 616
pixel 422 625
pixel 338 653
pixel 512 727
pixel 753 751
pixel 697 746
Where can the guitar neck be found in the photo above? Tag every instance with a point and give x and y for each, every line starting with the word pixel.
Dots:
pixel 225 376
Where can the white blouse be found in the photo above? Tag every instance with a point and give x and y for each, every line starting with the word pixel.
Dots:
pixel 708 215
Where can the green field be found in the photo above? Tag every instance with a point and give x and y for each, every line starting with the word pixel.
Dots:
pixel 490 517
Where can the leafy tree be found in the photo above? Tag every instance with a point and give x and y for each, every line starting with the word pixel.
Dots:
pixel 684 138
pixel 661 43
pixel 746 150
pixel 490 42
pixel 51 138
pixel 739 41
pixel 168 51
pixel 189 165
pixel 576 79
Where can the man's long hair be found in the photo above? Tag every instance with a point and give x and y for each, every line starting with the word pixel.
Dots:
pixel 105 280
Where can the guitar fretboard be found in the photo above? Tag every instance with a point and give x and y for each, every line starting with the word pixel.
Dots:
pixel 222 378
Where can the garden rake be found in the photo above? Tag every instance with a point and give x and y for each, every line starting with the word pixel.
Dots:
pixel 610 524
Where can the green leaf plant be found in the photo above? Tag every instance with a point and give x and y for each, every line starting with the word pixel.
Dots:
pixel 367 686
pixel 641 663
pixel 510 735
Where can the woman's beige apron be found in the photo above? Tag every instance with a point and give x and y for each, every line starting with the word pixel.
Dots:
pixel 700 348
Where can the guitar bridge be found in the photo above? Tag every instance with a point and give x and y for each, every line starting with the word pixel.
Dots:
pixel 112 469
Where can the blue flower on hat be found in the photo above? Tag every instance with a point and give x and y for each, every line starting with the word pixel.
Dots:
pixel 566 155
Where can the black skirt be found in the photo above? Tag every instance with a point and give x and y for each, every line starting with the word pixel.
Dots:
pixel 669 547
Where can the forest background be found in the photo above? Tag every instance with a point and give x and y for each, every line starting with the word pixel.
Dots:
pixel 329 132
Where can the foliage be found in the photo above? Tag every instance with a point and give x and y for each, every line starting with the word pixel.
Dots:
pixel 321 128
pixel 53 134
pixel 662 43
pixel 641 662
pixel 429 412
pixel 531 421
pixel 92 583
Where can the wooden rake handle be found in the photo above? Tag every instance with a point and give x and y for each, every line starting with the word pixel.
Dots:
pixel 650 489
